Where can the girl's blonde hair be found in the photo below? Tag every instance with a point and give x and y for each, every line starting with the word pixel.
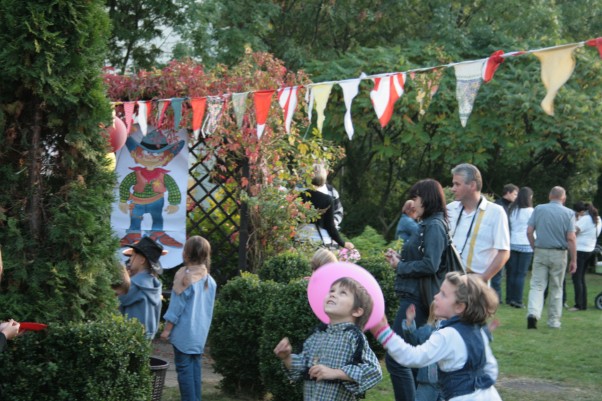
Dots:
pixel 322 257
pixel 481 301
pixel 197 251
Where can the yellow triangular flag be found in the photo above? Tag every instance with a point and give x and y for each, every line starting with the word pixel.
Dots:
pixel 557 66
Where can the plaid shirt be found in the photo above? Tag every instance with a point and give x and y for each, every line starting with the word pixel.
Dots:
pixel 334 347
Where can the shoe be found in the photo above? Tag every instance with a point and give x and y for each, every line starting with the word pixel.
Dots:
pixel 574 309
pixel 162 237
pixel 566 306
pixel 130 239
pixel 531 322
pixel 517 305
pixel 555 325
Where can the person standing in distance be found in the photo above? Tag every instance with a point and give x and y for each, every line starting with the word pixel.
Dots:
pixel 554 225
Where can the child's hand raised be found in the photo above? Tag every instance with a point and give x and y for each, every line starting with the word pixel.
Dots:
pixel 284 349
pixel 410 314
pixel 376 329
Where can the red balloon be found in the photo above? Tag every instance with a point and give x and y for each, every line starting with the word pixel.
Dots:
pixel 117 134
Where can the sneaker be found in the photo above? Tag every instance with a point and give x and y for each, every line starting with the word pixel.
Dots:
pixel 574 309
pixel 531 322
pixel 518 305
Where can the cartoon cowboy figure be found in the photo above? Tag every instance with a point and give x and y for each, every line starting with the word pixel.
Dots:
pixel 143 190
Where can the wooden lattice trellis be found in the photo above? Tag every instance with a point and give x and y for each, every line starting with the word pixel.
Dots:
pixel 215 213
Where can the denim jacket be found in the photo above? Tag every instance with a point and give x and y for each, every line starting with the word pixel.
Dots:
pixel 417 263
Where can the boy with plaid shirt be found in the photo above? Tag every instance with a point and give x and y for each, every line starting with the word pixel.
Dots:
pixel 336 362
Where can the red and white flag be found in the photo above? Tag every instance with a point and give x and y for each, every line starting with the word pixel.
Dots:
pixel 128 109
pixel 287 98
pixel 263 100
pixel 198 105
pixel 384 95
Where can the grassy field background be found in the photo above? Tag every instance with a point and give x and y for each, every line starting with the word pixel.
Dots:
pixel 535 365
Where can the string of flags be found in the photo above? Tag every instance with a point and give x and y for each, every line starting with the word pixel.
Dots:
pixel 557 66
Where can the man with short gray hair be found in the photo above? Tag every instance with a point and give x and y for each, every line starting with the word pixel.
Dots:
pixel 555 228
pixel 479 228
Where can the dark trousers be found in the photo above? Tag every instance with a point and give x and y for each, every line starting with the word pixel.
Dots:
pixel 496 283
pixel 583 259
pixel 516 272
pixel 402 377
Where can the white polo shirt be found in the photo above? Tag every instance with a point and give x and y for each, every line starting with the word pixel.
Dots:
pixel 491 232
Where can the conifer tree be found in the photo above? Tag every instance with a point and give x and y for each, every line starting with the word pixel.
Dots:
pixel 55 203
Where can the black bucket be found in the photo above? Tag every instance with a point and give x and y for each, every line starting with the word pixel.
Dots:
pixel 158 369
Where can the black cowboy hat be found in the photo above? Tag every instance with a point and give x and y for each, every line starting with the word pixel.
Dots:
pixel 151 250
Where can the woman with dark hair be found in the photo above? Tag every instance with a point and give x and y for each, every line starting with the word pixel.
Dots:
pixel 521 253
pixel 416 281
pixel 587 228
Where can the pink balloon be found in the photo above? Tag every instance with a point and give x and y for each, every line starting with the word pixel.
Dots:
pixel 117 134
pixel 321 281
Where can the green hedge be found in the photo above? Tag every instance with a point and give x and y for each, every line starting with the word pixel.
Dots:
pixel 105 360
pixel 236 332
pixel 290 316
pixel 285 267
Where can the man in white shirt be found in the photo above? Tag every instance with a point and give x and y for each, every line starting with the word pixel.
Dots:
pixel 479 228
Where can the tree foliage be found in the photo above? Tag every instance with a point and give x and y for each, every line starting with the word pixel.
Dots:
pixel 55 234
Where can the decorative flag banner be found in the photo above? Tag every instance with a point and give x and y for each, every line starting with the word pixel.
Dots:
pixel 176 105
pixel 468 82
pixel 493 62
pixel 198 105
pixel 427 85
pixel 287 98
pixel 162 106
pixel 321 93
pixel 596 43
pixel 142 115
pixel 239 104
pixel 215 105
pixel 128 110
pixel 263 100
pixel 384 95
pixel 350 90
pixel 150 198
pixel 309 101
pixel 557 66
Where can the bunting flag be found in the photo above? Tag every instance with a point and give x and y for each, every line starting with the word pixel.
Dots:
pixel 557 66
pixel 596 43
pixel 128 110
pixel 198 105
pixel 287 98
pixel 215 106
pixel 143 116
pixel 263 100
pixel 321 93
pixel 239 104
pixel 176 105
pixel 468 81
pixel 309 101
pixel 162 106
pixel 427 85
pixel 350 90
pixel 384 95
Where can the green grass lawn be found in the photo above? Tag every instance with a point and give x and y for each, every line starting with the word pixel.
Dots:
pixel 535 365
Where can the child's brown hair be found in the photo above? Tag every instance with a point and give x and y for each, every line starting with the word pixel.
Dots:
pixel 481 301
pixel 361 299
pixel 197 251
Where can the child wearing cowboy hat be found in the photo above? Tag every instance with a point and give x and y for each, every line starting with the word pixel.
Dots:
pixel 140 293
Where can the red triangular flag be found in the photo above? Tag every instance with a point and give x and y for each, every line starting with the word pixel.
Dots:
pixel 596 43
pixel 198 105
pixel 128 109
pixel 493 62
pixel 263 100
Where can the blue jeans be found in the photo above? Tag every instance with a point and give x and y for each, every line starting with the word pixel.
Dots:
pixel 402 377
pixel 516 271
pixel 428 392
pixel 155 209
pixel 188 368
pixel 496 283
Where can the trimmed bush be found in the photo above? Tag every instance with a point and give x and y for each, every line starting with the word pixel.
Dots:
pixel 285 267
pixel 289 315
pixel 236 333
pixel 105 360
